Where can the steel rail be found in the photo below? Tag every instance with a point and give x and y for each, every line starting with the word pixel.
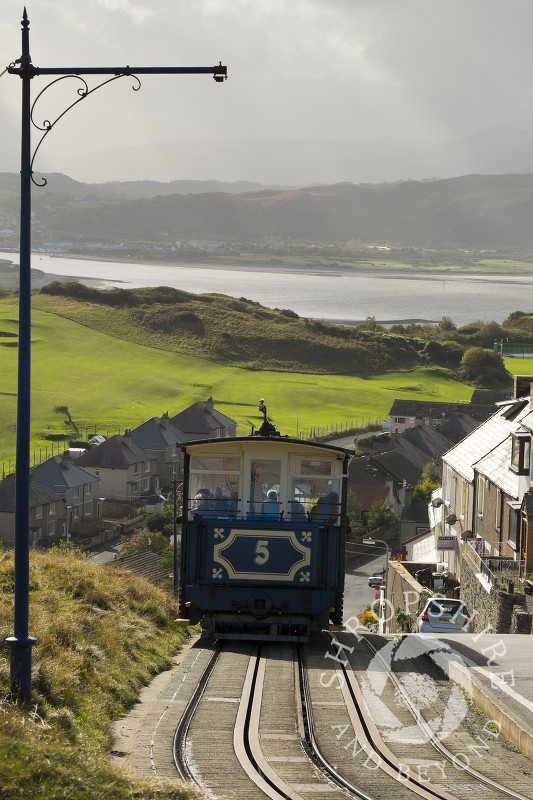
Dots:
pixel 430 735
pixel 310 743
pixel 181 732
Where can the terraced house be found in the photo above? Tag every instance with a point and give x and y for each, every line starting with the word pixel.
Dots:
pixel 483 515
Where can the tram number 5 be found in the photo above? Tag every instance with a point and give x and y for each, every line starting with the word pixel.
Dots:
pixel 261 552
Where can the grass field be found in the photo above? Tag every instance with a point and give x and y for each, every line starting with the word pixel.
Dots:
pixel 112 384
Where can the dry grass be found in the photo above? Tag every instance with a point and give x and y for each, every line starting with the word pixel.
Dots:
pixel 101 635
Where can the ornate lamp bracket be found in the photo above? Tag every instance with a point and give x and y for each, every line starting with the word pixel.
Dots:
pixel 82 92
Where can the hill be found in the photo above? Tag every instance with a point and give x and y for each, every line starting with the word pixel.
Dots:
pixel 102 635
pixel 472 211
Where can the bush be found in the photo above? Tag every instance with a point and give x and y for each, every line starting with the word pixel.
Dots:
pixel 484 367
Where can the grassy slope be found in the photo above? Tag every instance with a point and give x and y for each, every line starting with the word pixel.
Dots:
pixel 102 634
pixel 111 382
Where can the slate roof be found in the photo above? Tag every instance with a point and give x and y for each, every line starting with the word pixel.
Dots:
pixel 158 433
pixel 495 466
pixel 375 468
pixel 435 410
pixel 144 563
pixel 429 440
pixel 116 453
pixel 488 436
pixel 416 512
pixel 456 428
pixel 202 419
pixel 491 396
pixel 39 495
pixel 60 473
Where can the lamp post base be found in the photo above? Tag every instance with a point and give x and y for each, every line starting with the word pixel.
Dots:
pixel 20 664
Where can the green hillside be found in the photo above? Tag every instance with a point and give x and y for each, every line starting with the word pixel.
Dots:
pixel 109 383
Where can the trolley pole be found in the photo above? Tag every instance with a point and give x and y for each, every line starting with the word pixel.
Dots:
pixel 21 643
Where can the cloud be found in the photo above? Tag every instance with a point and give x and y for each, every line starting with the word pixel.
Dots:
pixel 414 70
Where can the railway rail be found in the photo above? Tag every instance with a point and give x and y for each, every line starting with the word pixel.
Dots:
pixel 286 721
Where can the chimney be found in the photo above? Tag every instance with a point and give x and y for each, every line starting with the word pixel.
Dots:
pixel 522 387
pixel 164 420
pixel 418 421
pixel 66 460
pixel 209 404
pixel 127 438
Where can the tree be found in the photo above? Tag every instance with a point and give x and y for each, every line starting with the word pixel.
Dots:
pixel 432 471
pixel 353 510
pixel 162 521
pixel 144 540
pixel 446 325
pixel 484 367
pixel 380 515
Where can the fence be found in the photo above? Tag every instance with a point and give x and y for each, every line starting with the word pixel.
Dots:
pixel 514 350
pixel 340 428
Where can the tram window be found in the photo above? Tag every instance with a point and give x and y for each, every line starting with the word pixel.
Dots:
pixel 216 463
pixel 318 497
pixel 311 467
pixel 265 478
pixel 217 480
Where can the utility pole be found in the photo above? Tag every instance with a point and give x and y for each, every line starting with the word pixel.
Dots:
pixel 21 643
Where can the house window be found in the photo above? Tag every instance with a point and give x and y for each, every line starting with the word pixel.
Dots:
pixel 39 512
pixel 399 420
pixel 499 506
pixel 76 492
pixel 520 454
pixel 52 509
pixel 464 490
pixel 38 534
pixel 88 489
pixel 146 485
pixel 135 469
pixel 513 527
pixel 448 485
pixel 480 495
pixel 51 529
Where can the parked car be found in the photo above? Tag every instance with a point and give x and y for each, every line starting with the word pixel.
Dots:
pixel 377 578
pixel 443 615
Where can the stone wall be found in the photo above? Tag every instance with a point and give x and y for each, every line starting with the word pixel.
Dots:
pixel 497 609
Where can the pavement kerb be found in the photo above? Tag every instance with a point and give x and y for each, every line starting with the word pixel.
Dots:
pixel 129 729
pixel 516 731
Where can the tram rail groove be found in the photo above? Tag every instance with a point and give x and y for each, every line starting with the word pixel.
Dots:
pixel 180 734
pixel 434 740
pixel 255 761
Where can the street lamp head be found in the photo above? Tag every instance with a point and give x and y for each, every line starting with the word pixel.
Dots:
pixel 369 541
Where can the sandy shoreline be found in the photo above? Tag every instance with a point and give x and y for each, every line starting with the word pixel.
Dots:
pixel 413 273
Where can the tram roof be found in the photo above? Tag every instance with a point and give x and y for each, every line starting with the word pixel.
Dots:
pixel 271 440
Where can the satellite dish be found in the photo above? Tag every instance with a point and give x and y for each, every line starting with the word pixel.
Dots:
pixel 466 535
pixel 436 502
pixel 451 519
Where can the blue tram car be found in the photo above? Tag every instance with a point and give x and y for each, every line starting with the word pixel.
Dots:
pixel 263 536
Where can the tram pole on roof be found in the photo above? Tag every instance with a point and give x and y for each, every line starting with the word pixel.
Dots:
pixel 21 643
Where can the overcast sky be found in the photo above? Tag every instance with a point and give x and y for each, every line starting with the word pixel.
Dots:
pixel 420 71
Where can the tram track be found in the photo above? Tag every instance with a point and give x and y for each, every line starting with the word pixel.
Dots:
pixel 276 747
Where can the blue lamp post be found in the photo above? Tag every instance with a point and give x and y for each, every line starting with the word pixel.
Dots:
pixel 21 643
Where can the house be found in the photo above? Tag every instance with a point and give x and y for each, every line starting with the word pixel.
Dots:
pixel 79 489
pixel 125 470
pixel 404 413
pixel 162 440
pixel 390 472
pixel 203 421
pixel 47 512
pixel 482 516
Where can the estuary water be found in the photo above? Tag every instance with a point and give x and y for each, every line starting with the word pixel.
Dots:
pixel 332 295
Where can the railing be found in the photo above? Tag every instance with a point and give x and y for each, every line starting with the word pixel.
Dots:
pixel 496 569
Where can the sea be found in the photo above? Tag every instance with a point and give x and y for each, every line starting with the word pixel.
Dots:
pixel 332 295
